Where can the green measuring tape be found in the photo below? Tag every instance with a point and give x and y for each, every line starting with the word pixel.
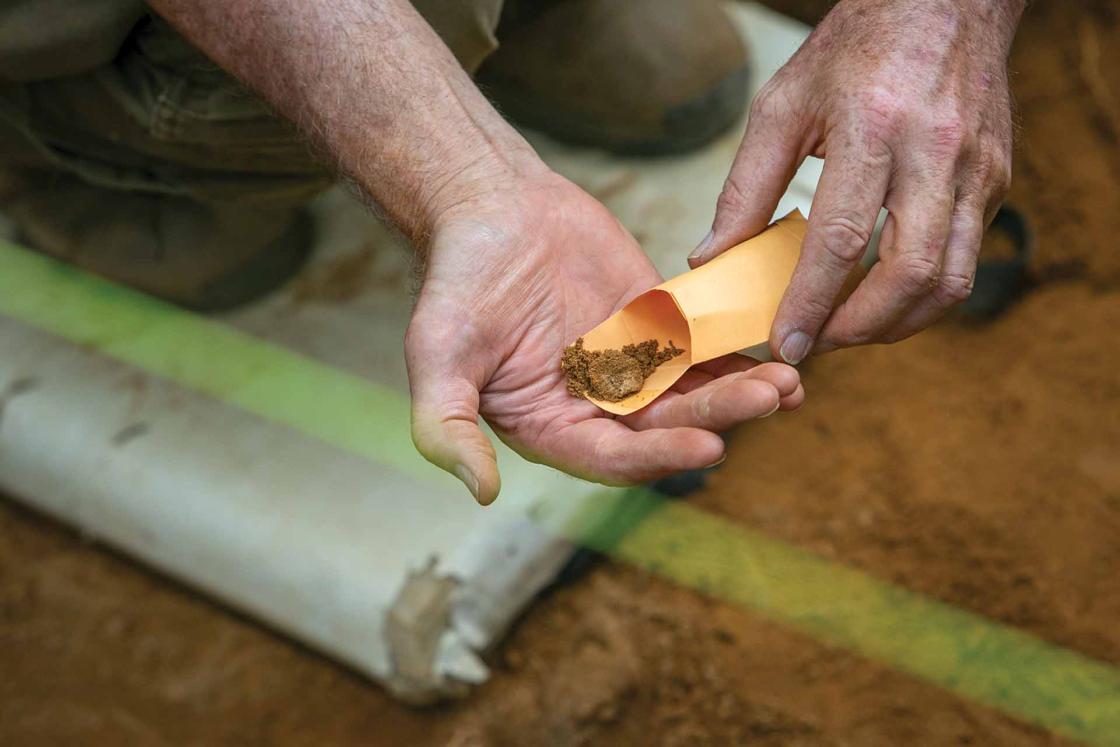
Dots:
pixel 990 663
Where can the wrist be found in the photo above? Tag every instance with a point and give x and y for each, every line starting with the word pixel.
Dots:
pixel 450 149
pixel 470 178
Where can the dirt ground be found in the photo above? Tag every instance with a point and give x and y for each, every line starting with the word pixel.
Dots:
pixel 978 464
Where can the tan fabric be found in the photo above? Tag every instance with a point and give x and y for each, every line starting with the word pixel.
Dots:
pixel 466 26
pixel 42 39
pixel 107 91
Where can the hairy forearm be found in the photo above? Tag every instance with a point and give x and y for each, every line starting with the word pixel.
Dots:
pixel 370 83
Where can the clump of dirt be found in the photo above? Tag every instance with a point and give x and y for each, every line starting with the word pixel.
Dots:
pixel 613 375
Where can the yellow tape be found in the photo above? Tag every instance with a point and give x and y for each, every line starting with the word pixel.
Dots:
pixel 965 653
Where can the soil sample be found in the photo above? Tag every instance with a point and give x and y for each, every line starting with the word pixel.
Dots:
pixel 613 375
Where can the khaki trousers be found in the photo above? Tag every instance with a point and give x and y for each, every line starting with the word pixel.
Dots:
pixel 107 92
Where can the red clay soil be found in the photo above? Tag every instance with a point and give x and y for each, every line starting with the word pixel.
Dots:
pixel 976 464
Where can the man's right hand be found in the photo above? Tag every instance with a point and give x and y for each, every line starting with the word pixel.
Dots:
pixel 514 275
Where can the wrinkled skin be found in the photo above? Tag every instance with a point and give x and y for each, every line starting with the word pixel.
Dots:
pixel 514 276
pixel 907 101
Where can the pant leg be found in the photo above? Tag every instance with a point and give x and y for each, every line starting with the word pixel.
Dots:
pixel 149 165
pixel 467 27
pixel 41 39
pixel 160 117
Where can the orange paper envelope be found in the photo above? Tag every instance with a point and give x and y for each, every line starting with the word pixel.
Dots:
pixel 725 306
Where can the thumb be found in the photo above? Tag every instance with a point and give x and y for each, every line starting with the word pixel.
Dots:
pixel 764 165
pixel 446 432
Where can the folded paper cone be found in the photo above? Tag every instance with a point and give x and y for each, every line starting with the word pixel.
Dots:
pixel 725 306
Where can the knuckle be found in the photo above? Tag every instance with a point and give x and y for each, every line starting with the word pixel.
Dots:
pixel 1001 178
pixel 993 170
pixel 851 335
pixel 768 103
pixel 855 339
pixel 732 197
pixel 949 134
pixel 810 307
pixel 844 238
pixel 917 275
pixel 953 288
pixel 762 105
pixel 883 112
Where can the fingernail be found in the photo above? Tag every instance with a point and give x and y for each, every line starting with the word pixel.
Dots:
pixel 468 479
pixel 795 347
pixel 701 249
pixel 717 463
pixel 776 408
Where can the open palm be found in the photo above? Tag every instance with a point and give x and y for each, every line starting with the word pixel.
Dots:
pixel 512 278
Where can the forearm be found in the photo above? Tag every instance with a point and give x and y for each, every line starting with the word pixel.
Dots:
pixel 370 83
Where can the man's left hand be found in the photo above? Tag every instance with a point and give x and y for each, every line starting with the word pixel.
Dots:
pixel 907 101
